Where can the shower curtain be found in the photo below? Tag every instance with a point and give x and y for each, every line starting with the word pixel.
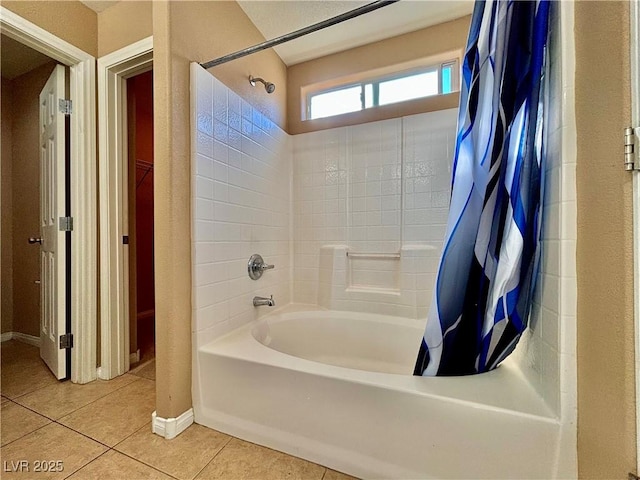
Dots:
pixel 489 263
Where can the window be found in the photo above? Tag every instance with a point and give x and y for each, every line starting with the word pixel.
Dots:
pixel 399 87
pixel 336 102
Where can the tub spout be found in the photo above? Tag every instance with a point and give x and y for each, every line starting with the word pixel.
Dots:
pixel 259 301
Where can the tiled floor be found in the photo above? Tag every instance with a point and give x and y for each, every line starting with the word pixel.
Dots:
pixel 101 431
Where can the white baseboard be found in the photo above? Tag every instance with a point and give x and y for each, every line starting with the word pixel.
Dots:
pixel 134 357
pixel 21 337
pixel 171 427
pixel 30 339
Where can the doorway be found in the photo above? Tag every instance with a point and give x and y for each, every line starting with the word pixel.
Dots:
pixel 82 180
pixel 140 186
pixel 35 187
pixel 118 176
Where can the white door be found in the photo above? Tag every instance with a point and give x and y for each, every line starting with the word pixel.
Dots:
pixel 52 207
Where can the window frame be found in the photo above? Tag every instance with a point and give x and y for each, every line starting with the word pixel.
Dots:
pixel 376 80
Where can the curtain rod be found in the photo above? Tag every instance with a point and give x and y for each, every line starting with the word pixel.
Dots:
pixel 299 33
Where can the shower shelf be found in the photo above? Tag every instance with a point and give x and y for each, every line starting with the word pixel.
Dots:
pixel 373 255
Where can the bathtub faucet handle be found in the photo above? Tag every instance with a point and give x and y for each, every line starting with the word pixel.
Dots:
pixel 256 266
pixel 259 301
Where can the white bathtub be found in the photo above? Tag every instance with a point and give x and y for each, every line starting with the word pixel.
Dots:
pixel 336 388
pixel 344 339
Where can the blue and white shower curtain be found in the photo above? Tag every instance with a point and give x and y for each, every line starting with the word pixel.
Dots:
pixel 487 271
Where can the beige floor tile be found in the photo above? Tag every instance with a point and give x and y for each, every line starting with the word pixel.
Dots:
pixel 114 417
pixel 16 356
pixel 13 352
pixel 148 370
pixel 243 460
pixel 53 443
pixel 24 376
pixel 333 475
pixel 182 457
pixel 17 422
pixel 3 399
pixel 58 400
pixel 116 466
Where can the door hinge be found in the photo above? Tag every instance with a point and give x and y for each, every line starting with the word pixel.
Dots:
pixel 65 106
pixel 66 341
pixel 66 224
pixel 631 148
pixel 125 239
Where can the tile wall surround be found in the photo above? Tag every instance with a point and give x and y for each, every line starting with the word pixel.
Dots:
pixel 405 290
pixel 381 187
pixel 547 352
pixel 299 200
pixel 241 193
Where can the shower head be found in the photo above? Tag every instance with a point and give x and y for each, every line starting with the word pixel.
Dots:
pixel 268 86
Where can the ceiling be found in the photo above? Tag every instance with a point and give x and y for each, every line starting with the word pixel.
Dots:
pixel 99 5
pixel 17 59
pixel 274 18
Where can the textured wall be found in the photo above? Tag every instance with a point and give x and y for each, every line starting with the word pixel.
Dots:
pixel 606 398
pixel 71 20
pixel 185 32
pixel 142 86
pixel 6 214
pixel 122 24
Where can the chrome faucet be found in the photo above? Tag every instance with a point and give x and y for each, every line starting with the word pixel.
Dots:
pixel 259 301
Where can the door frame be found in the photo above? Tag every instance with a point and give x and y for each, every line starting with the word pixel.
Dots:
pixel 113 71
pixel 84 247
pixel 634 61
